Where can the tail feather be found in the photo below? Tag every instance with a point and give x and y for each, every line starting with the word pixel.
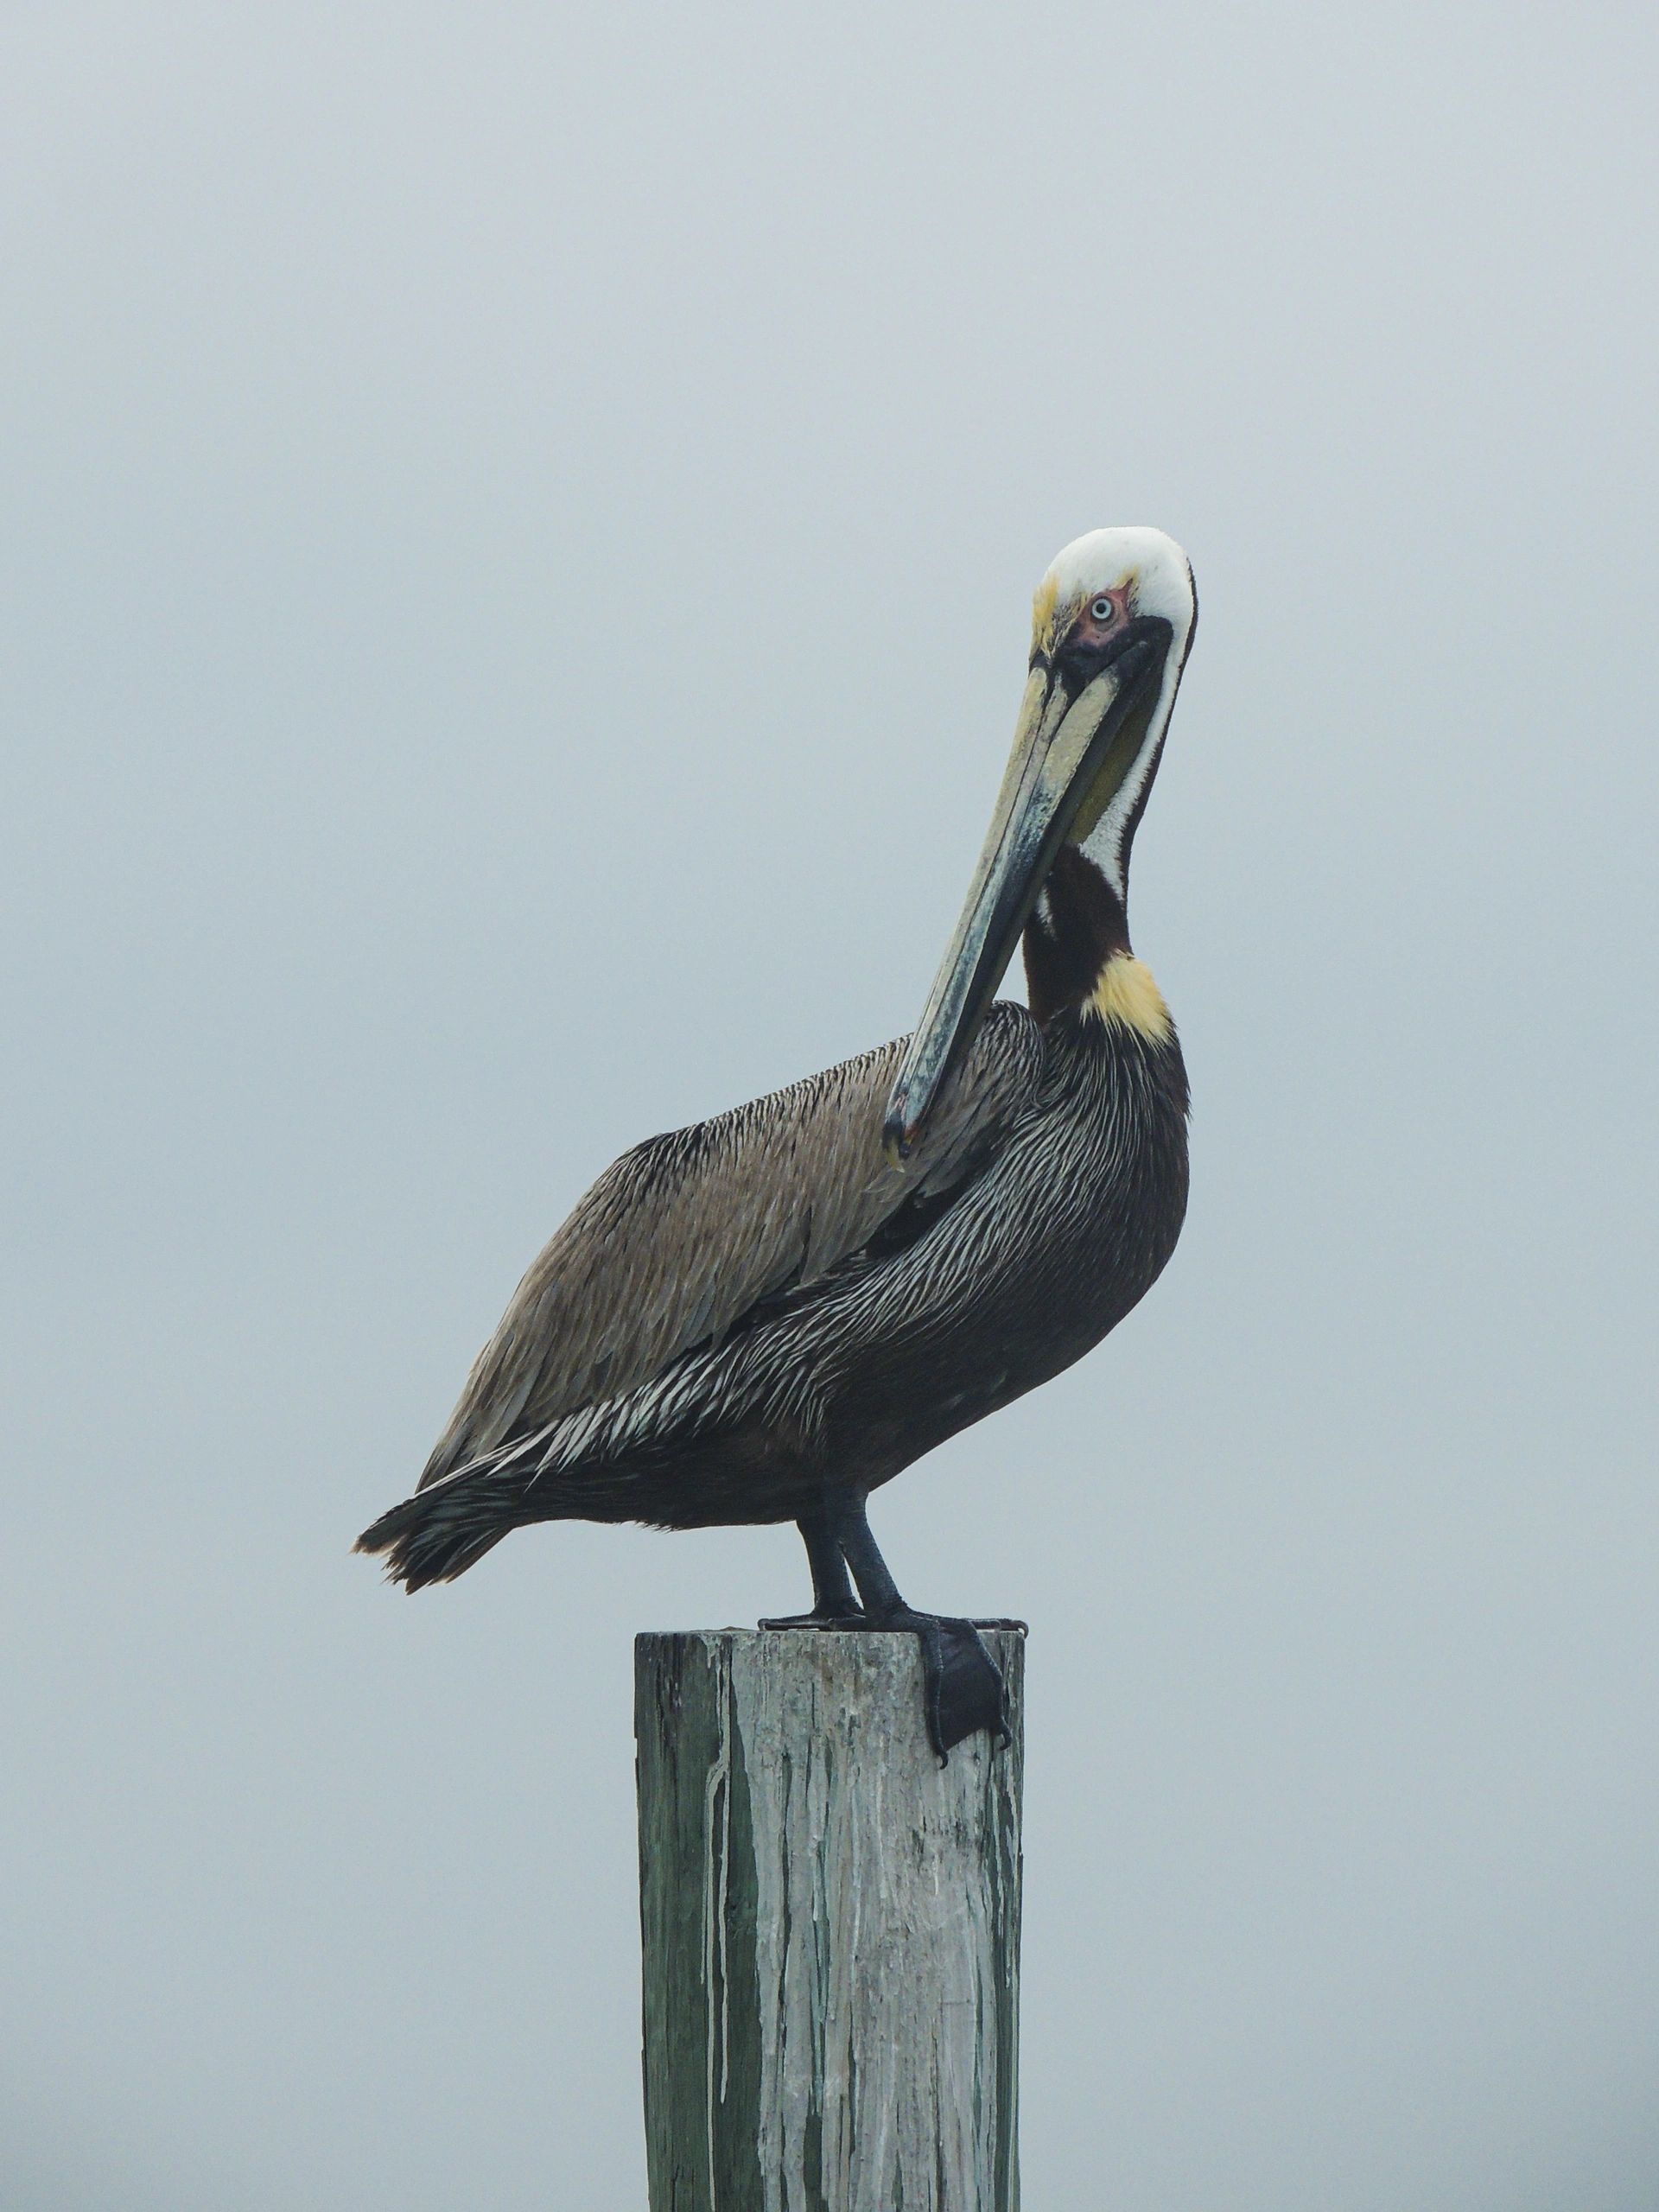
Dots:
pixel 442 1530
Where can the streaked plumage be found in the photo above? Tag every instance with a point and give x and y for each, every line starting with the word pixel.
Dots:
pixel 766 1316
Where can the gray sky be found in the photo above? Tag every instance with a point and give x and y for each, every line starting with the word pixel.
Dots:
pixel 519 526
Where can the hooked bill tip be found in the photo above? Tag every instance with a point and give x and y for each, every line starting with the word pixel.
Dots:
pixel 898 1136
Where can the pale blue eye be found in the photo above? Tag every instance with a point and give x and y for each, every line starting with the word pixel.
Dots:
pixel 1102 610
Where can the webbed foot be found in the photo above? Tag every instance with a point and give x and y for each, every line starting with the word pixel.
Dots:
pixel 963 1689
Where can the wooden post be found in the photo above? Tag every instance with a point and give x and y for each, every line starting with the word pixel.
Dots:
pixel 831 1929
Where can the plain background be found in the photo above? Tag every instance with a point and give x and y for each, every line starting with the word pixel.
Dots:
pixel 518 530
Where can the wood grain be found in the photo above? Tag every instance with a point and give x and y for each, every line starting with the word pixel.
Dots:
pixel 831 1929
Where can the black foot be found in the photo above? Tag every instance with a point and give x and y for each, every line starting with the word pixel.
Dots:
pixel 963 1689
pixel 962 1685
pixel 849 1616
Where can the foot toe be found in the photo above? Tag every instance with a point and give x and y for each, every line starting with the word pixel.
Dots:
pixel 815 1620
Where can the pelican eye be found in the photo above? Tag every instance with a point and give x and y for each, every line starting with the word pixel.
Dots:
pixel 1102 610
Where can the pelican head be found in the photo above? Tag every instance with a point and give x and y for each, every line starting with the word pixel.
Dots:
pixel 1111 624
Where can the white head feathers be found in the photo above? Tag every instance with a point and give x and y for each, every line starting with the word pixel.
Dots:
pixel 1149 575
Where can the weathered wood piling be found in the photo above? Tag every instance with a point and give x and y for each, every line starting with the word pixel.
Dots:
pixel 831 1929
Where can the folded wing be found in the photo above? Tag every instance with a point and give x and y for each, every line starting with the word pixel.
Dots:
pixel 685 1236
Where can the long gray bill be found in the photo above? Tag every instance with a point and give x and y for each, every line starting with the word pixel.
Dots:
pixel 1060 747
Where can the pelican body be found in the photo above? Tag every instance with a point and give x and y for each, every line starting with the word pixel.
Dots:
pixel 768 1315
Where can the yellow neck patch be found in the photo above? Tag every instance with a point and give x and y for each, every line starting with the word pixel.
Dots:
pixel 1125 993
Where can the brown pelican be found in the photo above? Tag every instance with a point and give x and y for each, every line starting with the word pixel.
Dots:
pixel 765 1317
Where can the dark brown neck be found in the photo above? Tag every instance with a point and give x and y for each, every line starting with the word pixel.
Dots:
pixel 1077 925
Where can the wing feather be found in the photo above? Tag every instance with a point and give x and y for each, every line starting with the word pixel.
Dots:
pixel 681 1237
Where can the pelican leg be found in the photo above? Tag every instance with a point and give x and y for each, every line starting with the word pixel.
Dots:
pixel 961 1688
pixel 834 1604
